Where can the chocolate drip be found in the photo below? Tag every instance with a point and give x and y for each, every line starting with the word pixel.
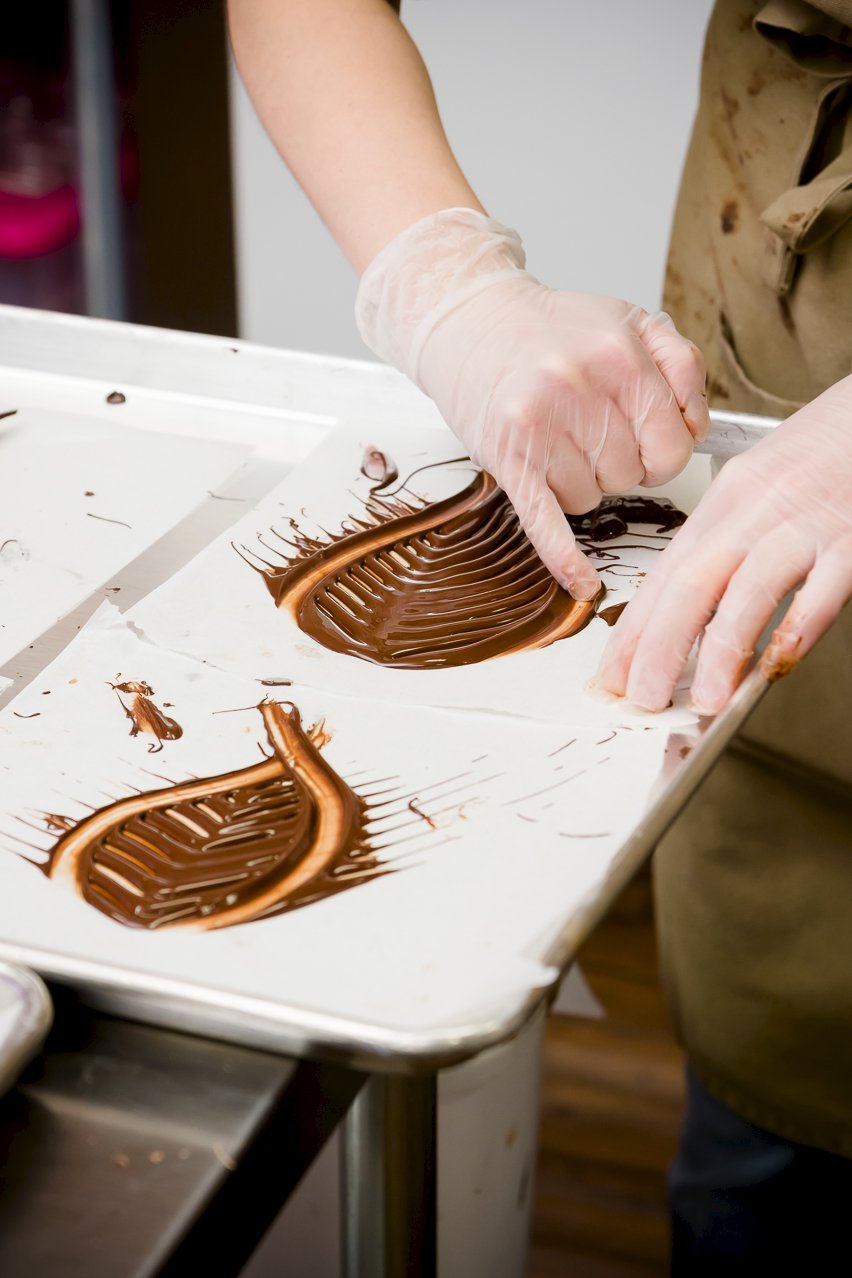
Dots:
pixel 450 583
pixel 228 849
pixel 135 699
pixel 611 614
pixel 611 518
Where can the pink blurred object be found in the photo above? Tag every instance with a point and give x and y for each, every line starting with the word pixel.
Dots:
pixel 39 207
pixel 32 225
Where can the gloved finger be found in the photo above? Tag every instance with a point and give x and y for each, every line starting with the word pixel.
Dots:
pixel 591 450
pixel 684 608
pixel 816 607
pixel 614 668
pixel 682 365
pixel 647 403
pixel 571 478
pixel 544 522
pixel 775 565
pixel 616 462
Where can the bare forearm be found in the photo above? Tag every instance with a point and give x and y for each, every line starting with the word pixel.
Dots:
pixel 346 99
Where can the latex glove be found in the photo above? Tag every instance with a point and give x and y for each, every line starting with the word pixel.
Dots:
pixel 777 517
pixel 560 396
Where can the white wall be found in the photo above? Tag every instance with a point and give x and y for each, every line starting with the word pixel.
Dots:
pixel 570 120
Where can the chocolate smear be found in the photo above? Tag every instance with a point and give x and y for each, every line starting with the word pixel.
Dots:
pixel 378 467
pixel 116 397
pixel 611 614
pixel 135 699
pixel 104 520
pixel 422 586
pixel 611 518
pixel 211 853
pixel 10 412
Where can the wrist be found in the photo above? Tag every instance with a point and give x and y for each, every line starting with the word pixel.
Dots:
pixel 428 270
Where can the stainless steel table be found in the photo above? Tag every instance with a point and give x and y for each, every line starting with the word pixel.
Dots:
pixel 129 1151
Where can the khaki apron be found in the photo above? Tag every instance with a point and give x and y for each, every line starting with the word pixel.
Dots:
pixel 754 883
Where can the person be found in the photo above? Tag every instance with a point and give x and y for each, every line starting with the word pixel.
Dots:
pixel 565 397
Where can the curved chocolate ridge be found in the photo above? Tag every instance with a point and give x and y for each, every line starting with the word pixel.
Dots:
pixel 224 850
pixel 455 582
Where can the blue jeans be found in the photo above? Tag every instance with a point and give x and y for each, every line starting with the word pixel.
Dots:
pixel 746 1202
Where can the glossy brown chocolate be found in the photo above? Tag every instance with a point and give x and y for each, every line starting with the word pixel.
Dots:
pixel 146 717
pixel 611 614
pixel 228 849
pixel 423 588
pixel 378 467
pixel 612 518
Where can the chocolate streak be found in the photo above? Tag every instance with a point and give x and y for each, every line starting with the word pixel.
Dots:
pixel 144 715
pixel 447 584
pixel 228 849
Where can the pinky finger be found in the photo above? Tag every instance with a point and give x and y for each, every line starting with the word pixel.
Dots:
pixel 814 609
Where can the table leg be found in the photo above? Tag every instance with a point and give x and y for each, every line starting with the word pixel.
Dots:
pixel 97 111
pixel 389 1180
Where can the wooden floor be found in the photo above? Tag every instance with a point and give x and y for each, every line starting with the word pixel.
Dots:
pixel 612 1093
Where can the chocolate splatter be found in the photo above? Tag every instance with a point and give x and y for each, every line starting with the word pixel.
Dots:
pixel 412 806
pixel 729 217
pixel 379 467
pixel 105 520
pixel 116 397
pixel 135 699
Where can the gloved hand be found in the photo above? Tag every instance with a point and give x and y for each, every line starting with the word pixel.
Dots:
pixel 560 396
pixel 777 517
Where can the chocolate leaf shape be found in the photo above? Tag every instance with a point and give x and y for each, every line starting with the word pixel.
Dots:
pixel 227 849
pixel 446 584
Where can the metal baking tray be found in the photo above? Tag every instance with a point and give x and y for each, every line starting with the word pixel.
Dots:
pixel 283 403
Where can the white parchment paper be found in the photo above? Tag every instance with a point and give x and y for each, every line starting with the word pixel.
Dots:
pixel 78 500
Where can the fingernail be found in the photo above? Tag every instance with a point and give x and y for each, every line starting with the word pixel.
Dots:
pixel 649 698
pixel 583 589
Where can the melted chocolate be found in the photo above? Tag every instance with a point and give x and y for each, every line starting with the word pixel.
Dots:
pixel 135 699
pixel 611 614
pixel 378 467
pixel 419 588
pixel 228 849
pixel 611 518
